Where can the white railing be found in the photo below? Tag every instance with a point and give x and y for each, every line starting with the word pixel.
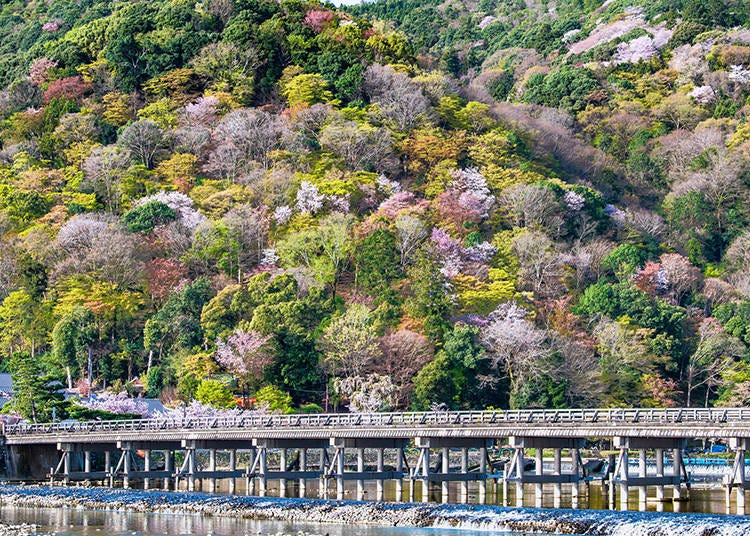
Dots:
pixel 442 419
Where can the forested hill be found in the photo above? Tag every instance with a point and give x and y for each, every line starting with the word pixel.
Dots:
pixel 400 205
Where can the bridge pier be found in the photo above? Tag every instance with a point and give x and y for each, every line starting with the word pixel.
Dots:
pixel 515 468
pixel 736 478
pixel 168 467
pixel 643 481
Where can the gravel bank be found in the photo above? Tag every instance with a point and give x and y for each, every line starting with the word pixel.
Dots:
pixel 18 530
pixel 541 521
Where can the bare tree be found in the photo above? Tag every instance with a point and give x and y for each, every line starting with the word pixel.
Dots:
pixel 403 353
pixel 103 170
pixel 144 139
pixel 360 146
pixel 410 233
pixel 714 355
pixel 400 101
pixel 539 263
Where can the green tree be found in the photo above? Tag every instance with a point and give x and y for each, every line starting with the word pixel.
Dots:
pixel 214 393
pixel 72 340
pixel 33 398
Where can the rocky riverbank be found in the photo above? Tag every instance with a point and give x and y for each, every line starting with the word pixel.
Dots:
pixel 24 529
pixel 541 521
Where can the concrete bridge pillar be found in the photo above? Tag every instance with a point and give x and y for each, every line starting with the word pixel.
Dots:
pixel 282 468
pixel 623 475
pixel 642 489
pixel 339 457
pixel 86 461
pixel 323 481
pixel 557 471
pixel 360 469
pixel 126 458
pixel 659 453
pixel 211 468
pixel 464 470
pixel 168 467
pixel 190 453
pixel 425 474
pixel 232 467
pixel 108 468
pixel 66 467
pixel 482 475
pixel 445 469
pixel 146 468
pixel 262 470
pixel 380 484
pixel 400 477
pixel 539 471
pixel 303 468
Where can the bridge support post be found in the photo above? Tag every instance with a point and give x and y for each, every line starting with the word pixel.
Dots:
pixel 642 489
pixel 360 469
pixel 282 468
pixel 263 469
pixel 660 473
pixel 482 475
pixel 736 478
pixel 426 474
pixel 557 471
pixel 464 471
pixel 232 467
pixel 303 468
pixel 400 477
pixel 323 480
pixel 168 467
pixel 86 461
pixel 539 471
pixel 622 463
pixel 380 484
pixel 211 468
pixel 444 469
pixel 146 468
pixel 66 467
pixel 126 461
pixel 339 459
pixel 190 453
pixel 679 473
pixel 108 468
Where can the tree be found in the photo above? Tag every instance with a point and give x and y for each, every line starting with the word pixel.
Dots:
pixel 214 393
pixel 715 354
pixel 402 355
pixel 411 232
pixel 72 340
pixel 104 169
pixel 368 394
pixel 144 218
pixel 33 398
pixel 306 89
pixel 361 147
pixel 516 347
pixel 399 100
pixel 377 261
pixel 247 355
pixel 144 140
pixel 349 343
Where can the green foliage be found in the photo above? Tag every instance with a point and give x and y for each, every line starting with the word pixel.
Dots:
pixel 144 218
pixel 277 400
pixel 566 87
pixel 215 393
pixel 34 396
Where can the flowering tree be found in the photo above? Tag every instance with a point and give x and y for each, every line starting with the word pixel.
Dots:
pixel 38 71
pixel 367 394
pixel 246 354
pixel 116 403
pixel 349 342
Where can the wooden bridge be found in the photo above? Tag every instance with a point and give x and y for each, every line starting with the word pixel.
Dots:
pixel 334 448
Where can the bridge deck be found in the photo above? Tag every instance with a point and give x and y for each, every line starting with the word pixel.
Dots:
pixel 576 423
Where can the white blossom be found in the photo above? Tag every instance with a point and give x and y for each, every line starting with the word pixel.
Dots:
pixel 574 201
pixel 489 19
pixel 182 206
pixel 703 94
pixel 282 214
pixel 387 186
pixel 738 74
pixel 640 48
pixel 309 198
pixel 269 258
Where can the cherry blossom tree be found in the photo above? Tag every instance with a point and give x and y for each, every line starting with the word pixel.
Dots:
pixel 116 403
pixel 367 394
pixel 246 354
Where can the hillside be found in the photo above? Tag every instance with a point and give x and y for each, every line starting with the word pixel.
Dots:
pixel 399 205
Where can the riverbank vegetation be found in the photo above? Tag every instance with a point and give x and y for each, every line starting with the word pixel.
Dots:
pixel 402 205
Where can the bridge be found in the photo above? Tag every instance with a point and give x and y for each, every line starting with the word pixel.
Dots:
pixel 421 448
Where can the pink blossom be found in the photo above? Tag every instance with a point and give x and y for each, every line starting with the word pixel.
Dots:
pixel 119 403
pixel 51 26
pixel 245 353
pixel 317 19
pixel 38 70
pixel 201 112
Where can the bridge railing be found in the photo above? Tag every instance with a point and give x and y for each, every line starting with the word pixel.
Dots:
pixel 254 420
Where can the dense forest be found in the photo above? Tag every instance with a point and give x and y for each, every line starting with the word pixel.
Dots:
pixel 407 204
